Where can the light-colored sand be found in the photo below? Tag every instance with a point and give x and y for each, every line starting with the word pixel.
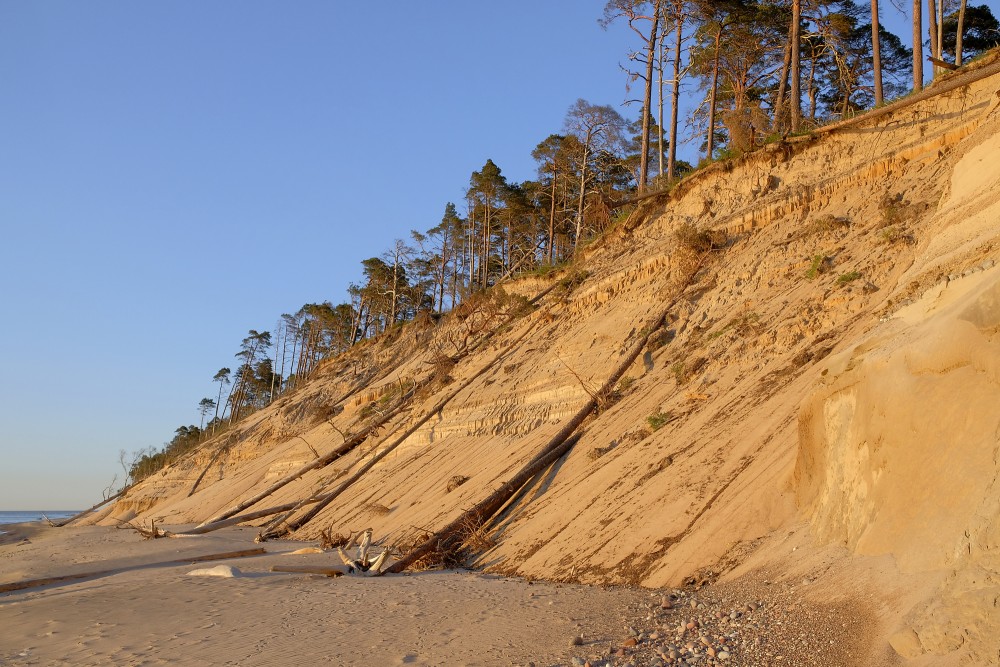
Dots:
pixel 147 614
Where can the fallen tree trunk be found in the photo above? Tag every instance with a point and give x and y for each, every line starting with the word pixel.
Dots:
pixel 452 535
pixel 35 583
pixel 211 462
pixel 232 517
pixel 233 520
pixel 350 444
pixel 64 522
pixel 325 460
pixel 270 532
pixel 309 569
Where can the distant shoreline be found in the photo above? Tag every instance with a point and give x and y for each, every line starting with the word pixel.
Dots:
pixel 8 517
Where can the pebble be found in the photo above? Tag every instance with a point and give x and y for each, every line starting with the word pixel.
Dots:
pixel 716 632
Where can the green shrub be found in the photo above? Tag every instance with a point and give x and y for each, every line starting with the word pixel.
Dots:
pixel 845 278
pixel 658 420
pixel 819 265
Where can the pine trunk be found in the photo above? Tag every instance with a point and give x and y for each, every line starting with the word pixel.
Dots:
pixel 958 34
pixel 794 43
pixel 918 47
pixel 779 101
pixel 876 56
pixel 675 95
pixel 714 95
pixel 647 101
pixel 552 213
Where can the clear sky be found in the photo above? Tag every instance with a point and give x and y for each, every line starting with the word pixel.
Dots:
pixel 173 174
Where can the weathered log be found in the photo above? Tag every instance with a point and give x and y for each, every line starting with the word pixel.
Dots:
pixel 327 498
pixel 561 443
pixel 35 583
pixel 229 517
pixel 942 63
pixel 64 522
pixel 309 569
pixel 321 462
pixel 221 448
pixel 233 520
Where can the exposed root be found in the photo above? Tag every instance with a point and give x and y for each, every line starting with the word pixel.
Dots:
pixel 328 540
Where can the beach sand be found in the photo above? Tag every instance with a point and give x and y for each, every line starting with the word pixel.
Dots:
pixel 145 613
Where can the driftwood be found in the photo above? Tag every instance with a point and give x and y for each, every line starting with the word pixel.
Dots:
pixel 64 522
pixel 273 532
pixel 151 533
pixel 218 452
pixel 942 63
pixel 454 533
pixel 340 399
pixel 321 462
pixel 232 521
pixel 231 516
pixel 309 569
pixel 35 583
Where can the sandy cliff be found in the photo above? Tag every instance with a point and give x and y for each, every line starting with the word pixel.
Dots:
pixel 825 394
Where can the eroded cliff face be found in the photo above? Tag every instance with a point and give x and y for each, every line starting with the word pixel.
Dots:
pixel 899 448
pixel 819 373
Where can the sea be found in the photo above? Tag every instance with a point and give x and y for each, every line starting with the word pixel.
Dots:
pixel 22 516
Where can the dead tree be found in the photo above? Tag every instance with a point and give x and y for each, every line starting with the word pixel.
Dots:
pixel 562 442
pixel 273 532
pixel 64 522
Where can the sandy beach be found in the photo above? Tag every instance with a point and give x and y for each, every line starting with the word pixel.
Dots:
pixel 144 607
pixel 148 614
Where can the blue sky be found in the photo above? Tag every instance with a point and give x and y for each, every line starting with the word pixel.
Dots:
pixel 173 174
